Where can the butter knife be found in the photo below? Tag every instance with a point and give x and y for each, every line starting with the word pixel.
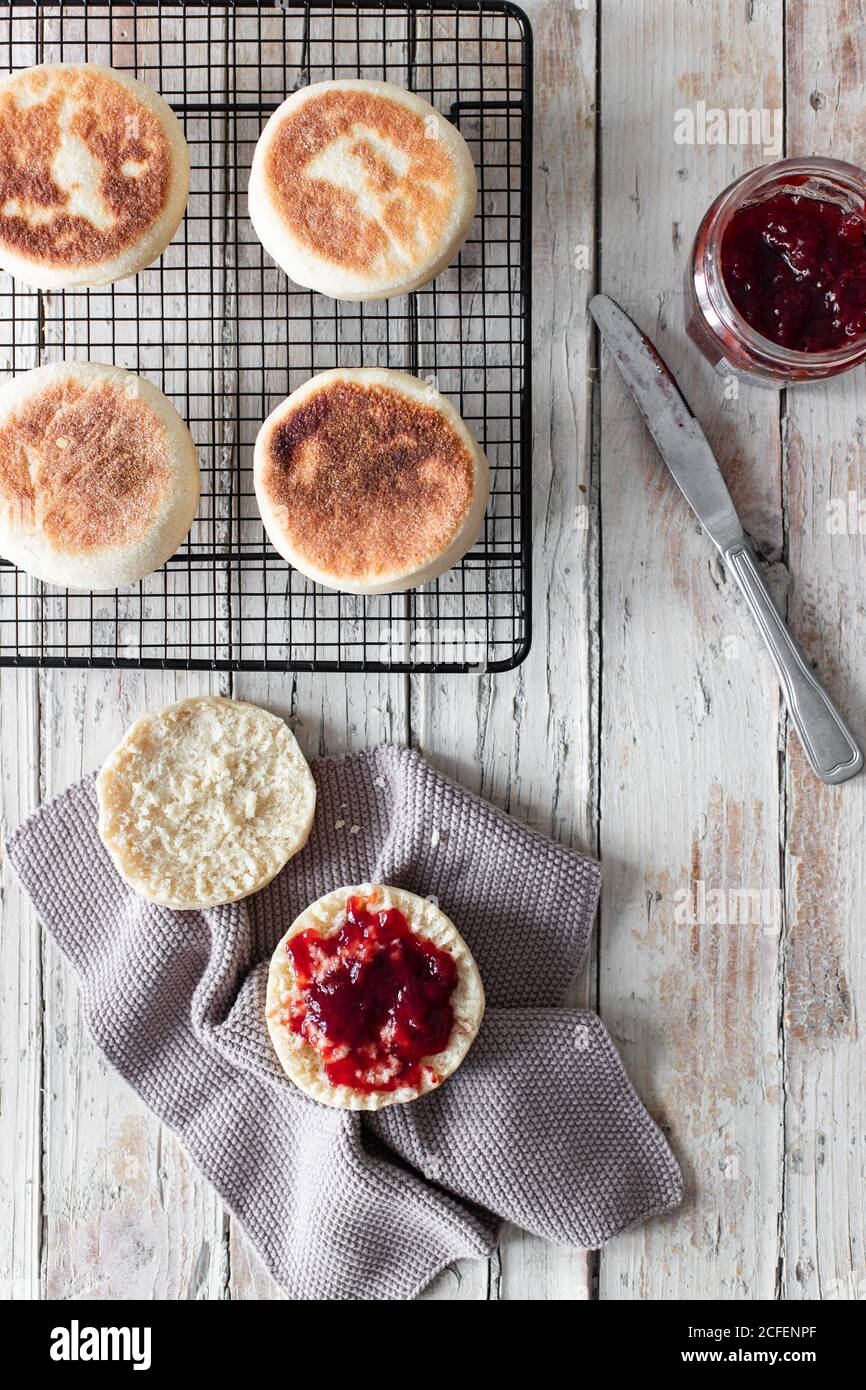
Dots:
pixel 831 748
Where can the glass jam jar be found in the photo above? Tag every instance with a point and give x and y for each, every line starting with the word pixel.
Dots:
pixel 799 253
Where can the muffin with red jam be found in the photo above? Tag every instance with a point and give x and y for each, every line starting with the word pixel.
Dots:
pixel 374 998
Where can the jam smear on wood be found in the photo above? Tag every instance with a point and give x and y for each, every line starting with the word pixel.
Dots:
pixel 373 1000
pixel 795 268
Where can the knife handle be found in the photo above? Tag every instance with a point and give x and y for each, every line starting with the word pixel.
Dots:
pixel 831 748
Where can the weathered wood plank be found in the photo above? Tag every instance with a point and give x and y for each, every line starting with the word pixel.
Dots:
pixel 126 1214
pixel 338 714
pixel 526 740
pixel 21 959
pixel 21 1038
pixel 690 712
pixel 330 714
pixel 825 966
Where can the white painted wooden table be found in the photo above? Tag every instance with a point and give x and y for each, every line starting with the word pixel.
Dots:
pixel 644 726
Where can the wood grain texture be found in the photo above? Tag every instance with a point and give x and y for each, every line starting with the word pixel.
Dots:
pixel 21 962
pixel 338 713
pixel 526 740
pixel 126 1215
pixel 21 1026
pixel 825 964
pixel 689 711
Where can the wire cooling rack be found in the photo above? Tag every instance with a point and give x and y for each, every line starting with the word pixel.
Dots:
pixel 223 332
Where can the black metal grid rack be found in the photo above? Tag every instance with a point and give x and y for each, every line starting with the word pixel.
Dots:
pixel 224 333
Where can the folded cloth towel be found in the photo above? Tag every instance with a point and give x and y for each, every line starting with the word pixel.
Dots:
pixel 540 1125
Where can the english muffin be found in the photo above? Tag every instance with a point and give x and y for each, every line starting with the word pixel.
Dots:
pixel 203 802
pixel 368 481
pixel 94 175
pixel 360 189
pixel 99 477
pixel 373 999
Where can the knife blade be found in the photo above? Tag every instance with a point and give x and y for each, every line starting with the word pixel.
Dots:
pixel 678 436
pixel 831 748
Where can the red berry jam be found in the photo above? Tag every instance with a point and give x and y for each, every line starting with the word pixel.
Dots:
pixel 373 999
pixel 795 269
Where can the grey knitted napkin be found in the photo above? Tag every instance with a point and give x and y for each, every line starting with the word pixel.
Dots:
pixel 539 1126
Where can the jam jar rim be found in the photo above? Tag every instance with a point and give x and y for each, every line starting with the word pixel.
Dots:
pixel 841 172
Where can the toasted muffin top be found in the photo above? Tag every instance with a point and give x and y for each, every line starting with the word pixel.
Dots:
pixel 85 166
pixel 361 179
pixel 366 480
pixel 84 463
